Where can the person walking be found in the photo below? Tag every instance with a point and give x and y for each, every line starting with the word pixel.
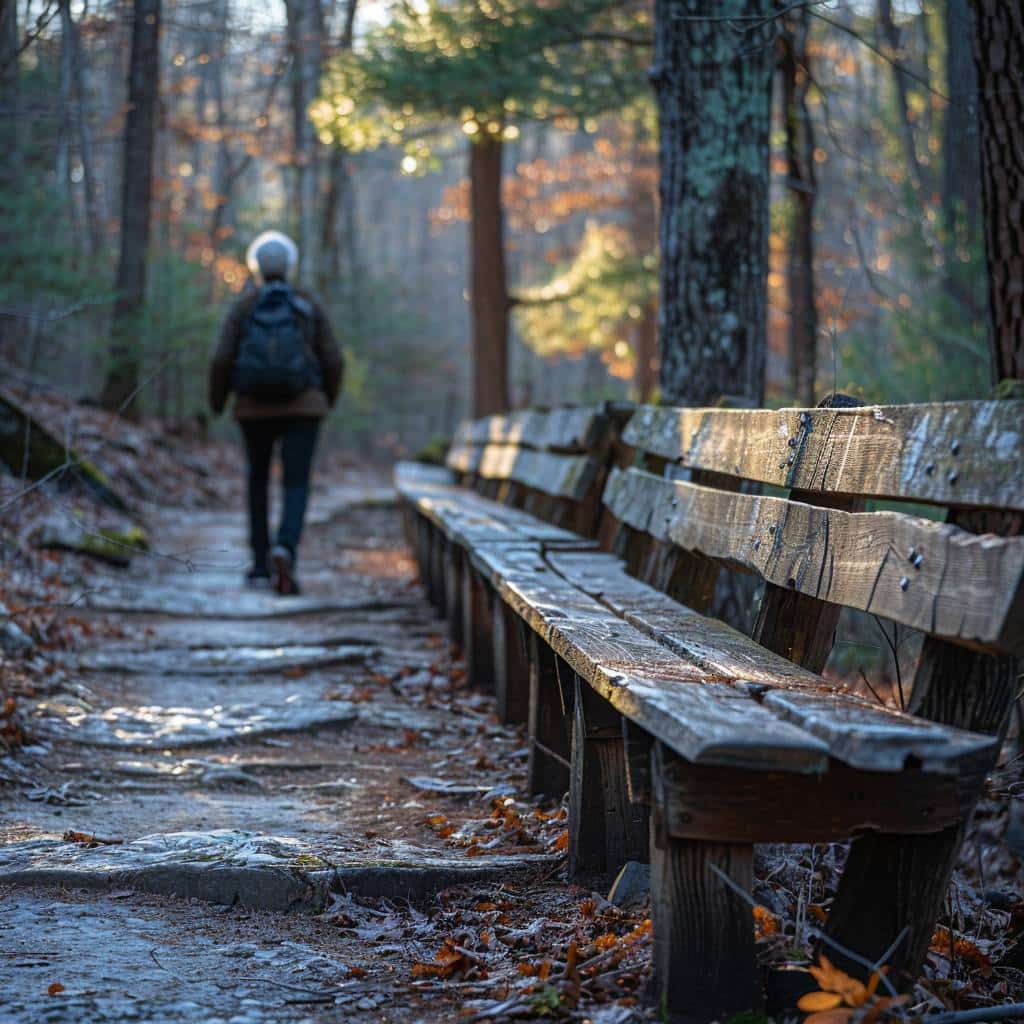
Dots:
pixel 278 355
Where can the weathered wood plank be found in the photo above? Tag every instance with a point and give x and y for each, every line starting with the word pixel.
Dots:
pixel 470 520
pixel 561 476
pixel 931 576
pixel 410 476
pixel 860 733
pixel 782 807
pixel 564 429
pixel 715 722
pixel 948 453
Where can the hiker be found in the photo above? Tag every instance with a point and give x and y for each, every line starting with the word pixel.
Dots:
pixel 279 357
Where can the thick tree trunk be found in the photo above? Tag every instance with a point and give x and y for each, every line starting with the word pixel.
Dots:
pixel 488 284
pixel 999 57
pixel 713 87
pixel 803 313
pixel 137 188
pixel 305 29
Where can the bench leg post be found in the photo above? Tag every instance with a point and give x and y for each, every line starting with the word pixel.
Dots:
pixel 907 876
pixel 606 827
pixel 423 531
pixel 511 665
pixel 454 566
pixel 549 739
pixel 438 545
pixel 703 930
pixel 477 637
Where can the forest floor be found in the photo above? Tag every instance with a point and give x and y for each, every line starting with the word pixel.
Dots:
pixel 217 805
pixel 237 807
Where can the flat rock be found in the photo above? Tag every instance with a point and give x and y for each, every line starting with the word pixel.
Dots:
pixel 221 661
pixel 170 599
pixel 233 867
pixel 170 727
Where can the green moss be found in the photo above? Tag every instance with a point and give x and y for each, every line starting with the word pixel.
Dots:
pixel 434 451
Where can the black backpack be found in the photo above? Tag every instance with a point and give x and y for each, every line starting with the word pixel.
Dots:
pixel 275 361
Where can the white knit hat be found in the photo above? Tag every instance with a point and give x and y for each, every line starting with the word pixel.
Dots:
pixel 272 255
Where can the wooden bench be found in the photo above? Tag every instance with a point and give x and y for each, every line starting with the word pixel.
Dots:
pixel 680 738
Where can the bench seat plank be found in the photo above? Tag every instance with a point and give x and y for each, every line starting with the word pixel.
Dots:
pixel 857 732
pixel 931 576
pixel 704 718
pixel 964 454
pixel 411 475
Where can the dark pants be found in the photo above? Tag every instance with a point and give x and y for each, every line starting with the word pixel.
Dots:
pixel 298 441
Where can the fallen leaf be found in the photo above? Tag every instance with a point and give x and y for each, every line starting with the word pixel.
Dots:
pixel 842 1015
pixel 815 1001
pixel 55 988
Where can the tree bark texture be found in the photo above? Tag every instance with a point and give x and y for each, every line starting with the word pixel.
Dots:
pixel 803 312
pixel 999 58
pixel 488 283
pixel 136 196
pixel 713 88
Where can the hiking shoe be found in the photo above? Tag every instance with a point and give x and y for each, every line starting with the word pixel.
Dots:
pixel 258 578
pixel 282 563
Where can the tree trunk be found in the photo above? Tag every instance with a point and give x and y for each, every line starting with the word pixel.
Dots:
pixel 999 58
pixel 119 391
pixel 337 222
pixel 892 37
pixel 713 88
pixel 803 313
pixel 961 149
pixel 488 285
pixel 93 211
pixel 305 28
pixel 10 96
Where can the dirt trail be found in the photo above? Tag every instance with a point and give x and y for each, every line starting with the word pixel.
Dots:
pixel 252 760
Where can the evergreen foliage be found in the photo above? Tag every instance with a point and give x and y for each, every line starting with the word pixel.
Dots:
pixel 487 64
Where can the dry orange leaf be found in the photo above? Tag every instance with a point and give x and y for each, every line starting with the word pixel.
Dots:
pixel 832 979
pixel 766 924
pixel 544 970
pixel 485 907
pixel 55 988
pixel 841 1015
pixel 606 941
pixel 815 1001
pixel 562 842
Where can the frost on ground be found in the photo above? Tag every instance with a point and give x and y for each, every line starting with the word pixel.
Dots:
pixel 222 806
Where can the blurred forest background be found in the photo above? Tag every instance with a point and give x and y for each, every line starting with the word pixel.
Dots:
pixel 876 274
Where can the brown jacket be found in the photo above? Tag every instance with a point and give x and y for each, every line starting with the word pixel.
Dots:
pixel 312 403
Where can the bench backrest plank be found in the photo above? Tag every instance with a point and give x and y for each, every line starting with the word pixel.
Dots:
pixel 946 453
pixel 577 429
pixel 551 463
pixel 927 575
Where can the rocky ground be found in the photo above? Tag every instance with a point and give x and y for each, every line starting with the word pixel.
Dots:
pixel 236 807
